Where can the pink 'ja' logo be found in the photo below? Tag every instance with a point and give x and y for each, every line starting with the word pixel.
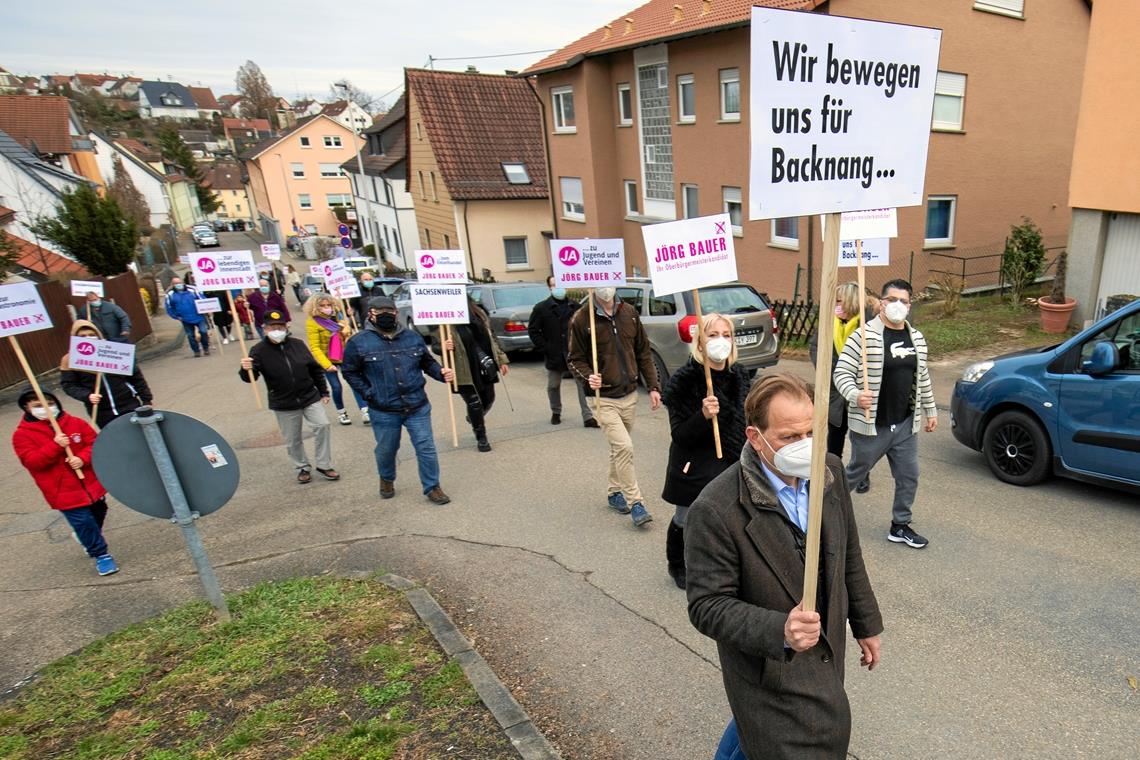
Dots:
pixel 206 265
pixel 85 348
pixel 427 261
pixel 569 256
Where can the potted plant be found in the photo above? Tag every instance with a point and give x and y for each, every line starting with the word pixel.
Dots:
pixel 1056 308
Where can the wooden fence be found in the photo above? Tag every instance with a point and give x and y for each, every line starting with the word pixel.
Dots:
pixel 797 320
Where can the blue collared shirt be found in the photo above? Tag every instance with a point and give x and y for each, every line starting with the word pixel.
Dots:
pixel 793 500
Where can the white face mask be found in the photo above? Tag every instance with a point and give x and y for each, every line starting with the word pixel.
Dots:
pixel 794 460
pixel 42 414
pixel 277 336
pixel 896 311
pixel 718 349
pixel 605 294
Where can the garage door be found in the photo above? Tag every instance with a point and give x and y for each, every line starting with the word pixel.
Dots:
pixel 1120 274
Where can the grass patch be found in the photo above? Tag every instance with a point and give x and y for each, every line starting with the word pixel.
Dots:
pixel 981 321
pixel 321 669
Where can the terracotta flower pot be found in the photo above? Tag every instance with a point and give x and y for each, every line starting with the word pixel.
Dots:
pixel 1055 316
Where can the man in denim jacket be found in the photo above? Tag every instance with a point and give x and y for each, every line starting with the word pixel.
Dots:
pixel 386 365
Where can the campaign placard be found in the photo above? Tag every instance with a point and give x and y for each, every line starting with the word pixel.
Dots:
pixel 337 277
pixel 208 305
pixel 21 309
pixel 588 263
pixel 690 253
pixel 271 251
pixel 876 252
pixel 224 270
pixel 93 355
pixel 83 287
pixel 872 223
pixel 315 269
pixel 441 266
pixel 439 303
pixel 264 266
pixel 350 289
pixel 840 113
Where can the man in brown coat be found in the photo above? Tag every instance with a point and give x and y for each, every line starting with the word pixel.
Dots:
pixel 782 666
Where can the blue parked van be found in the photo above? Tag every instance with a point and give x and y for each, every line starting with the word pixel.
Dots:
pixel 1071 409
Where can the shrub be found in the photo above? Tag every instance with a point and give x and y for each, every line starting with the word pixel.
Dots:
pixel 1023 259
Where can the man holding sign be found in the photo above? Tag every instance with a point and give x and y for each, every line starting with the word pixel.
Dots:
pixel 111 320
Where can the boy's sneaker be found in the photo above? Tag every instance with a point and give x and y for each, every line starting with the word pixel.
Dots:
pixel 640 514
pixel 618 503
pixel 902 534
pixel 105 565
pixel 342 417
pixel 364 418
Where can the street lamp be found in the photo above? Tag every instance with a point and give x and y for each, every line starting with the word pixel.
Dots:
pixel 365 219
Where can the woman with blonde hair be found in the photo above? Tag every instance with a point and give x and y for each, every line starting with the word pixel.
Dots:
pixel 327 330
pixel 692 452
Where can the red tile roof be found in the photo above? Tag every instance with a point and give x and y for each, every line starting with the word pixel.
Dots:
pixel 336 108
pixel 257 125
pixel 41 120
pixel 224 177
pixel 658 20
pixel 95 80
pixel 6 214
pixel 41 260
pixel 142 152
pixel 229 100
pixel 475 123
pixel 204 98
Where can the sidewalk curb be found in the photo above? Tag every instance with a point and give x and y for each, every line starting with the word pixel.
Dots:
pixel 527 740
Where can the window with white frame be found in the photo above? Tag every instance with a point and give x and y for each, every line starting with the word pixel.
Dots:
pixel 1014 8
pixel 562 106
pixel 625 105
pixel 730 94
pixel 298 170
pixel 332 141
pixel 516 253
pixel 516 174
pixel 338 200
pixel 631 198
pixel 949 101
pixel 686 99
pixel 304 200
pixel 786 232
pixel 690 197
pixel 734 207
pixel 940 211
pixel 573 207
pixel 311 229
pixel 305 142
pixel 332 170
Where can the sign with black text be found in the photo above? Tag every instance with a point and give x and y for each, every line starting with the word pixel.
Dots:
pixel 93 355
pixel 208 305
pixel 83 287
pixel 439 304
pixel 441 266
pixel 588 263
pixel 22 310
pixel 224 270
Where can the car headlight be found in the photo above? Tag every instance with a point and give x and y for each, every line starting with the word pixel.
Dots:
pixel 975 371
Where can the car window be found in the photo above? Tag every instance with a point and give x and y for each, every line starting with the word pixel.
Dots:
pixel 401 292
pixel 635 297
pixel 511 298
pixel 731 299
pixel 476 295
pixel 1125 335
pixel 388 288
pixel 662 306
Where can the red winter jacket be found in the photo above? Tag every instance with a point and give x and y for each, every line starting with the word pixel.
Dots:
pixel 46 461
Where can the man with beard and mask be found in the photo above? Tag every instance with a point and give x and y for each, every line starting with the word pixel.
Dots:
pixel 298 392
pixel 901 400
pixel 782 665
pixel 549 331
pixel 386 364
pixel 623 353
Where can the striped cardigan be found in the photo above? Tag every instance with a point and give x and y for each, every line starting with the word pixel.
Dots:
pixel 849 377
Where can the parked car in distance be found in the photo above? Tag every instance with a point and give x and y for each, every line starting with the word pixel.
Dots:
pixel 358 264
pixel 386 286
pixel 1071 409
pixel 311 284
pixel 204 237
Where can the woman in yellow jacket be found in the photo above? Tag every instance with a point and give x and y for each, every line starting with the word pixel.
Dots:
pixel 327 329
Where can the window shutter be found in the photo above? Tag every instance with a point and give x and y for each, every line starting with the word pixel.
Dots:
pixel 571 190
pixel 950 84
pixel 1016 7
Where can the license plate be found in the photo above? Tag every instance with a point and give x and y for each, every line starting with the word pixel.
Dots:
pixel 747 340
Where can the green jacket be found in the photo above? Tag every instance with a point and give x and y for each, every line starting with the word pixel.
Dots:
pixel 462 363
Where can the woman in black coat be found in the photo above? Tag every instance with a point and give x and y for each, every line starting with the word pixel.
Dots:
pixel 478 363
pixel 692 453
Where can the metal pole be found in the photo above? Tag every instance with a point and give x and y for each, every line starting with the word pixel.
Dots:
pixel 146 417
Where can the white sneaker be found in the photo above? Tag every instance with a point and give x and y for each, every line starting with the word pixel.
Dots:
pixel 343 418
pixel 364 418
pixel 225 341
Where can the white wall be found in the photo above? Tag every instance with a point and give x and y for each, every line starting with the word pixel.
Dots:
pixel 152 188
pixel 28 198
pixel 399 219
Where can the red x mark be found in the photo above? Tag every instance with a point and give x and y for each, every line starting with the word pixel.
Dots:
pixel 720 227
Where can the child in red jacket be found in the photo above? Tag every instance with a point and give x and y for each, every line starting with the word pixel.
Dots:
pixel 43 453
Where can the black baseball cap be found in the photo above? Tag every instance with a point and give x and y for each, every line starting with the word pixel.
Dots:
pixel 275 317
pixel 381 302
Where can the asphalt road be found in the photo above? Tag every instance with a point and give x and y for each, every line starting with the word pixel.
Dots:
pixel 1011 636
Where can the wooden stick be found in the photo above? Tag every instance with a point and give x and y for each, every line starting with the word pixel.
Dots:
pixel 593 343
pixel 244 352
pixel 828 274
pixel 40 396
pixel 708 369
pixel 862 320
pixel 449 363
pixel 95 407
pixel 217 333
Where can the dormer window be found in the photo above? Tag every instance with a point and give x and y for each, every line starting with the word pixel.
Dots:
pixel 516 174
pixel 170 99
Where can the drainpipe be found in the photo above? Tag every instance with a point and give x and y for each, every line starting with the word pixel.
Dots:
pixel 549 166
pixel 467 237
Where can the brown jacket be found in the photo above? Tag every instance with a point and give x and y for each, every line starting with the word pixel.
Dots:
pixel 623 349
pixel 744 575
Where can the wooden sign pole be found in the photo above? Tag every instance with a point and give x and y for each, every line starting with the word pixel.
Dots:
pixel 214 331
pixel 862 320
pixel 244 353
pixel 593 344
pixel 40 395
pixel 828 274
pixel 708 369
pixel 95 407
pixel 449 363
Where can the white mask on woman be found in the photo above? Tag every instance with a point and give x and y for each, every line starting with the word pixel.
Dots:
pixel 718 349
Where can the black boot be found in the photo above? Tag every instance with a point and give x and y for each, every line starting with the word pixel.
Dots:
pixel 675 553
pixel 481 439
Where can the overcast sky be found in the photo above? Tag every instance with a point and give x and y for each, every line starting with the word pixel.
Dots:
pixel 301 46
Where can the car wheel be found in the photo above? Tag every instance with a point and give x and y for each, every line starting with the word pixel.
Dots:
pixel 1016 449
pixel 662 375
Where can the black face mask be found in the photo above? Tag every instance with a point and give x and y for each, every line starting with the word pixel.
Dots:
pixel 385 321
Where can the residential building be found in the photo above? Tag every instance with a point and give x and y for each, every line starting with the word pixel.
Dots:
pixel 242 133
pixel 34 263
pixel 225 179
pixel 10 84
pixel 1104 189
pixel 166 100
pixel 31 85
pixel 385 208
pixel 143 166
pixel 30 187
pixel 349 114
pixel 126 88
pixel 100 83
pixel 296 180
pixel 306 107
pixel 202 142
pixel 56 83
pixel 647 119
pixel 231 104
pixel 476 170
pixel 208 105
pixel 48 127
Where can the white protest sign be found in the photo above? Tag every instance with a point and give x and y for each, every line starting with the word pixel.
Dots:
pixel 441 266
pixel 264 266
pixel 315 269
pixel 93 355
pixel 21 309
pixel 208 305
pixel 224 270
pixel 690 253
pixel 439 303
pixel 840 113
pixel 350 289
pixel 83 287
pixel 588 263
pixel 271 251
pixel 872 223
pixel 336 276
pixel 876 252
pixel 184 258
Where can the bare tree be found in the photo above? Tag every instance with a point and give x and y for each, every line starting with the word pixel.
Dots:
pixel 260 102
pixel 131 201
pixel 346 90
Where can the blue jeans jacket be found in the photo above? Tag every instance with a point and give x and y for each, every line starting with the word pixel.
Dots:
pixel 388 371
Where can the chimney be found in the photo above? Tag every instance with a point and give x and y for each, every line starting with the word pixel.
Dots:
pixel 471 69
pixel 609 31
pixel 628 26
pixel 678 13
pixel 706 7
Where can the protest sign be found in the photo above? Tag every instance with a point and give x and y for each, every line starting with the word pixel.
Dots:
pixel 224 270
pixel 271 251
pixel 441 266
pixel 841 112
pixel 337 277
pixel 349 289
pixel 439 304
pixel 690 253
pixel 83 287
pixel 872 223
pixel 315 269
pixel 588 263
pixel 208 305
pixel 264 266
pixel 21 309
pixel 93 355
pixel 876 252
pixel 184 258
